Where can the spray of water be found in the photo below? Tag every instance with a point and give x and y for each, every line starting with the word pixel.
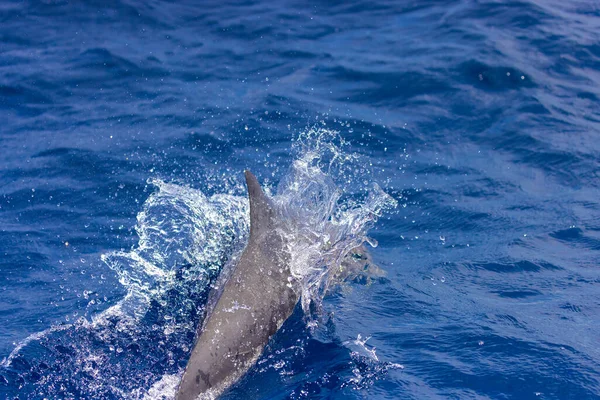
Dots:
pixel 185 239
pixel 326 211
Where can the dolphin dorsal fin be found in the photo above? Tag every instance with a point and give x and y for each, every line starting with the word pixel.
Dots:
pixel 261 210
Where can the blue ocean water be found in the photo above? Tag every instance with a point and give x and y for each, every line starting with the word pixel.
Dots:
pixel 124 130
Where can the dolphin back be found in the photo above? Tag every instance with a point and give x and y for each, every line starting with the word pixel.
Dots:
pixel 255 301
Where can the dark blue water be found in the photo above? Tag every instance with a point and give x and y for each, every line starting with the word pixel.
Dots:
pixel 481 118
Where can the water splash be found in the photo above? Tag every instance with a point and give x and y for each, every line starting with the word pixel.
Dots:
pixel 185 238
pixel 327 211
pixel 137 348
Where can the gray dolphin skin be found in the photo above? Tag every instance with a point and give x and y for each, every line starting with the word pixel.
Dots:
pixel 255 301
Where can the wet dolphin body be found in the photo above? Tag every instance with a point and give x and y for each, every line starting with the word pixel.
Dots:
pixel 255 301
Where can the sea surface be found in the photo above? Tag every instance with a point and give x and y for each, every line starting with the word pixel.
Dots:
pixel 125 128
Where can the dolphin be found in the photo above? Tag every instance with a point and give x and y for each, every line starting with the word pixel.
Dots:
pixel 254 296
pixel 255 300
